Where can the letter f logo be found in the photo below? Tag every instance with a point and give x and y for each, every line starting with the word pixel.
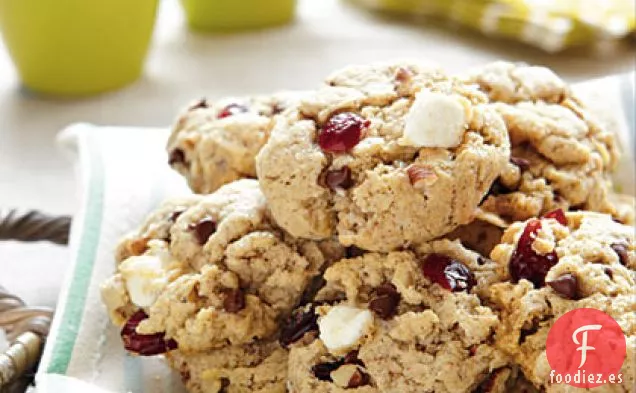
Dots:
pixel 583 345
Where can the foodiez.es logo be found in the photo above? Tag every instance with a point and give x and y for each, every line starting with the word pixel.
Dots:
pixel 586 348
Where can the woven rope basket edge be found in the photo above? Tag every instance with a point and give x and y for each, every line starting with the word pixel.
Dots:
pixel 26 326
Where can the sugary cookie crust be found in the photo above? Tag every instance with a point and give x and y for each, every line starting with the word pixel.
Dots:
pixel 400 194
pixel 605 280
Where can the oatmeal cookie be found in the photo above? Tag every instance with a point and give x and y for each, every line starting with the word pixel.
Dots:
pixel 259 367
pixel 550 266
pixel 384 156
pixel 561 156
pixel 405 321
pixel 214 143
pixel 214 273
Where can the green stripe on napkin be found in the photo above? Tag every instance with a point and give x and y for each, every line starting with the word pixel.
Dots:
pixel 91 230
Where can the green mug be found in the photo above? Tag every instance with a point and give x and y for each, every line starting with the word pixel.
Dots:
pixel 232 15
pixel 77 47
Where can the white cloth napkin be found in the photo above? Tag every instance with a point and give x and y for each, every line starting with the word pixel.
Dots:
pixel 124 175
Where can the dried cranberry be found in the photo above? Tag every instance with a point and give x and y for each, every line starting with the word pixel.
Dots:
pixel 231 110
pixel 144 344
pixel 558 215
pixel 342 132
pixel 177 156
pixel 234 301
pixel 621 250
pixel 449 273
pixel 203 229
pixel 522 163
pixel 301 322
pixel 566 286
pixel 385 302
pixel 526 263
pixel 337 178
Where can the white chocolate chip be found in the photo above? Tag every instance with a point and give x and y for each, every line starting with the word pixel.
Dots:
pixel 342 328
pixel 435 120
pixel 144 277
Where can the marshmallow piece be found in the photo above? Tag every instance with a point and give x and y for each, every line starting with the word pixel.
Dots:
pixel 342 328
pixel 145 278
pixel 435 120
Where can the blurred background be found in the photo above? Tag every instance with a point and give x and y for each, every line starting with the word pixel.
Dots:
pixel 187 63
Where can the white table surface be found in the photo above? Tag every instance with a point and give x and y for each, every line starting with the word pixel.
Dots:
pixel 181 66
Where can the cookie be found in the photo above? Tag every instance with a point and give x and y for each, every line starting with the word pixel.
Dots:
pixel 214 143
pixel 404 321
pixel 549 266
pixel 384 156
pixel 212 276
pixel 259 367
pixel 562 157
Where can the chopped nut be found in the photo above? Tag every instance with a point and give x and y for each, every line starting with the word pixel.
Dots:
pixel 421 176
pixel 138 246
pixel 234 301
pixel 349 376
pixel 403 74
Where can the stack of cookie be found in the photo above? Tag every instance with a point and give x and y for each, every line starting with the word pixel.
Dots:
pixel 408 231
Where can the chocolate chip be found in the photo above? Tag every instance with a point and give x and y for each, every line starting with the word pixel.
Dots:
pixel 522 163
pixel 527 332
pixel 473 350
pixel 301 322
pixel 176 213
pixel 497 188
pixel 566 286
pixel 336 179
pixel 621 250
pixel 203 229
pixel 354 252
pixel 201 104
pixel 323 371
pixel 358 378
pixel 234 301
pixel 386 301
pixel 609 272
pixel 225 383
pixel 277 108
pixel 487 385
pixel 177 156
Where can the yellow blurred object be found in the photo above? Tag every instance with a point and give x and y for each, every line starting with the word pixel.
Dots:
pixel 231 15
pixel 77 47
pixel 551 25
